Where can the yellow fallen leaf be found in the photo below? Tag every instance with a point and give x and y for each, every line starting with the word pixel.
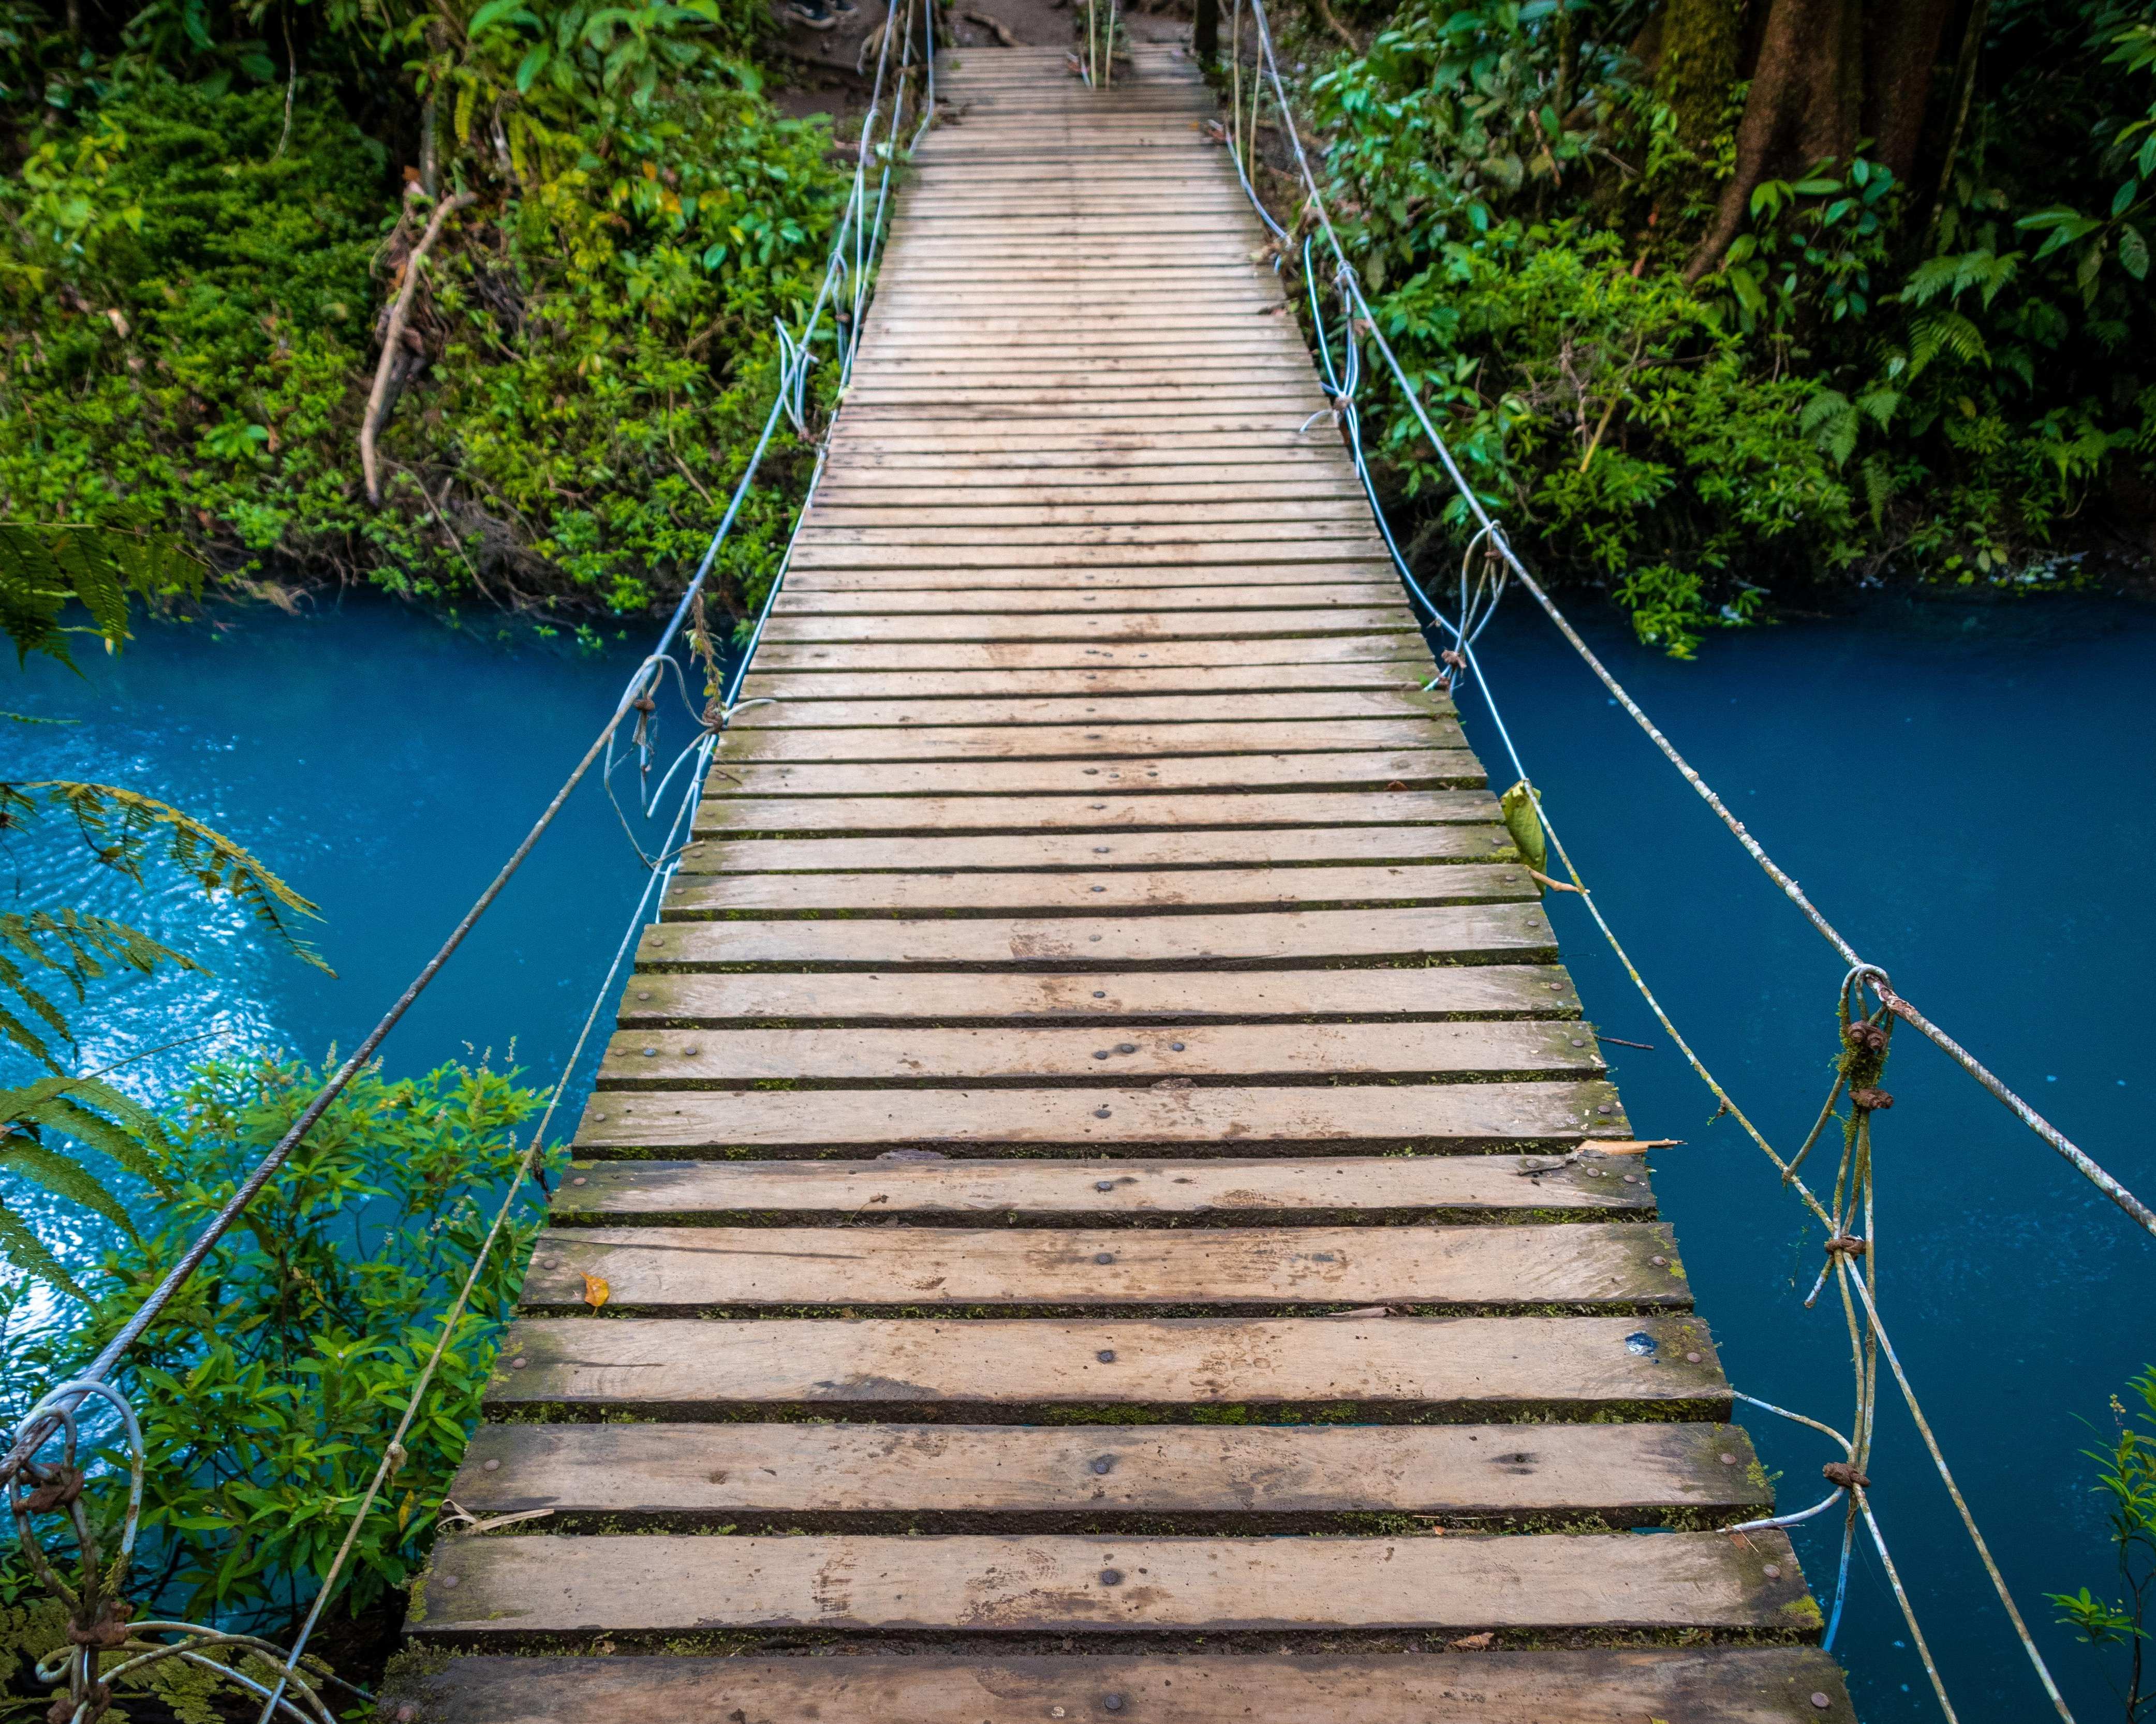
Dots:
pixel 1474 1642
pixel 595 1291
pixel 1627 1146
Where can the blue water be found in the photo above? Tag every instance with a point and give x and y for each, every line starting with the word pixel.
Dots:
pixel 1965 790
pixel 384 764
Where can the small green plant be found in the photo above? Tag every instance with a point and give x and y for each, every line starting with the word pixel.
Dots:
pixel 2126 1474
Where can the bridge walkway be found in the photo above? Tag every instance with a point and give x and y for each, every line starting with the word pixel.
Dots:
pixel 1095 1186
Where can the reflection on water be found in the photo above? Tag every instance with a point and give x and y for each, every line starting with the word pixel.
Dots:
pixel 1966 791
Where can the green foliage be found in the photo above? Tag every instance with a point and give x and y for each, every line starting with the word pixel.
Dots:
pixel 1862 383
pixel 191 271
pixel 2126 1475
pixel 269 1391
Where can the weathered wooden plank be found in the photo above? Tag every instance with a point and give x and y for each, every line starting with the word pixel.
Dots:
pixel 1204 1120
pixel 1060 596
pixel 1402 1187
pixel 1634 1474
pixel 697 1059
pixel 1695 1685
pixel 744 816
pixel 1471 933
pixel 1394 648
pixel 1039 894
pixel 654 1584
pixel 1183 851
pixel 1106 737
pixel 1123 627
pixel 1378 574
pixel 816 702
pixel 684 998
pixel 1381 771
pixel 675 1270
pixel 972 1370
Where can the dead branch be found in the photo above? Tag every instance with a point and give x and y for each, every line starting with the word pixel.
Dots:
pixel 989 24
pixel 393 342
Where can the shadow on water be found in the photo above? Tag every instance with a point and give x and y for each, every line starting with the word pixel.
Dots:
pixel 1965 790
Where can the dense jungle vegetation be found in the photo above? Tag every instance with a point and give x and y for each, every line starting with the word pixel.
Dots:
pixel 1724 300
pixel 210 211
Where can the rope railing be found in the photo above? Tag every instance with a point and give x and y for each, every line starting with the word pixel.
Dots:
pixel 1847 1213
pixel 95 1603
pixel 1492 533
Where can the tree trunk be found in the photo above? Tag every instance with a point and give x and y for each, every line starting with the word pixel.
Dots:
pixel 1698 64
pixel 1964 86
pixel 1900 47
pixel 1205 35
pixel 1803 107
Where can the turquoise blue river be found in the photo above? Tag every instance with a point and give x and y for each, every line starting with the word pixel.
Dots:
pixel 1966 790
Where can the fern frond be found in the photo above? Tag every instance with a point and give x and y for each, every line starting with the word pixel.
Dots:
pixel 27 1252
pixel 121 827
pixel 64 1176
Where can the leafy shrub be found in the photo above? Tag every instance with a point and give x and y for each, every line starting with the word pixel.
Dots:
pixel 269 1389
pixel 188 305
pixel 1865 379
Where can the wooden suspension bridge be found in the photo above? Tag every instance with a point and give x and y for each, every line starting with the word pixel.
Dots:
pixel 1096 1184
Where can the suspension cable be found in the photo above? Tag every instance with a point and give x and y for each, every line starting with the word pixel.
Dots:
pixel 1366 320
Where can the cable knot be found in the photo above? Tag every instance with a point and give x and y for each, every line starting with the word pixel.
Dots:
pixel 108 1630
pixel 1845 1474
pixel 1872 1099
pixel 57 1487
pixel 646 703
pixel 95 1699
pixel 1865 1036
pixel 1846 1244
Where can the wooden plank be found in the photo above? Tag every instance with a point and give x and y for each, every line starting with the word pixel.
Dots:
pixel 1320 651
pixel 687 998
pixel 1107 737
pixel 1390 692
pixel 1304 939
pixel 652 1584
pixel 747 817
pixel 1204 1120
pixel 825 551
pixel 1695 1685
pixel 977 1370
pixel 677 1270
pixel 1124 628
pixel 1003 852
pixel 1044 598
pixel 1398 1188
pixel 1380 771
pixel 1038 894
pixel 1637 1475
pixel 698 1059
